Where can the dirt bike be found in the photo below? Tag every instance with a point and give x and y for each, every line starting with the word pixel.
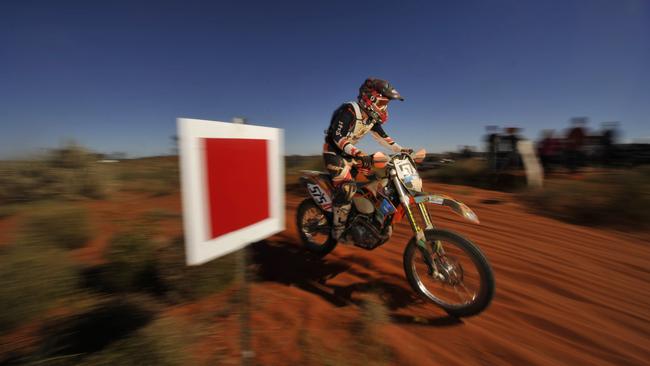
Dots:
pixel 440 265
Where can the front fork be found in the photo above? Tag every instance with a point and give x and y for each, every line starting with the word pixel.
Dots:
pixel 419 233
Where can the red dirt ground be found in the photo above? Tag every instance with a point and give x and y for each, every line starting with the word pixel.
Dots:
pixel 565 294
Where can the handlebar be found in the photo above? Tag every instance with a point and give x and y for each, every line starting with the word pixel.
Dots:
pixel 380 160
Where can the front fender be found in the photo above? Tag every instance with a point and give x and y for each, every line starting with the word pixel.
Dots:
pixel 444 200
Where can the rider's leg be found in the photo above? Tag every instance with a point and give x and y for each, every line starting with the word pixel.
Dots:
pixel 342 203
pixel 344 187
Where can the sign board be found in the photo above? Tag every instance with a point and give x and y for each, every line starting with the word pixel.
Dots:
pixel 232 180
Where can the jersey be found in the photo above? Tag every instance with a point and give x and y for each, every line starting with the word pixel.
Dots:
pixel 348 126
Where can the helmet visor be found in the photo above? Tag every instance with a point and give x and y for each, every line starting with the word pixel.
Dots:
pixel 391 93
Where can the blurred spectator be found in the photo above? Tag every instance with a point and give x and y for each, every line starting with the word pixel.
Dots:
pixel 508 147
pixel 492 146
pixel 608 141
pixel 574 143
pixel 548 149
pixel 467 152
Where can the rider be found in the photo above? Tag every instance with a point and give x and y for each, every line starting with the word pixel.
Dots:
pixel 350 122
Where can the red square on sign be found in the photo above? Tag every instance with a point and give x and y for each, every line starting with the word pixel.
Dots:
pixel 238 183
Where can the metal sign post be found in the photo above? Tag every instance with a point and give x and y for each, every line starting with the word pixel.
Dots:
pixel 232 182
pixel 247 354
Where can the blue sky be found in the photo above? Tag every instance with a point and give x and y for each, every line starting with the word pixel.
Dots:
pixel 114 75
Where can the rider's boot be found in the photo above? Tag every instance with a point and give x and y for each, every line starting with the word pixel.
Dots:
pixel 340 219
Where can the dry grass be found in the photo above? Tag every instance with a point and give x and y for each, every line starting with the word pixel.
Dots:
pixel 157 177
pixel 70 172
pixel 62 225
pixel 32 280
pixel 620 198
pixel 180 282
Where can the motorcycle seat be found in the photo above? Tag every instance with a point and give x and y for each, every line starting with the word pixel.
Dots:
pixel 370 184
pixel 323 176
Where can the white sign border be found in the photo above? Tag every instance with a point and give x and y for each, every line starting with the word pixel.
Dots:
pixel 199 249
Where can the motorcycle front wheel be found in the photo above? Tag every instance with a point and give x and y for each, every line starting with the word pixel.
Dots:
pixel 457 278
pixel 314 227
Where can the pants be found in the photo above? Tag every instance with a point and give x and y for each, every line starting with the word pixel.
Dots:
pixel 343 171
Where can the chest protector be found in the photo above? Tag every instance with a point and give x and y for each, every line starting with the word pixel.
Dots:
pixel 361 125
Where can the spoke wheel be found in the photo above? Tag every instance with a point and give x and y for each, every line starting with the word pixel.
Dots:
pixel 459 278
pixel 314 227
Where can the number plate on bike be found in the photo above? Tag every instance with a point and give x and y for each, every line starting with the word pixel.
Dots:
pixel 408 174
pixel 319 196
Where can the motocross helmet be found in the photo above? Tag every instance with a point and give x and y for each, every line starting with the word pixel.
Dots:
pixel 374 95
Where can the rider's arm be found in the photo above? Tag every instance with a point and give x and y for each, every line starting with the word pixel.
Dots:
pixel 382 137
pixel 344 121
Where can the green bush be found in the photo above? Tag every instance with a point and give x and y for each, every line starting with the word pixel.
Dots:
pixel 618 199
pixel 131 263
pixel 32 279
pixel 181 282
pixel 62 225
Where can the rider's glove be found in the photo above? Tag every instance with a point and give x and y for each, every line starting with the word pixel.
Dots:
pixel 366 161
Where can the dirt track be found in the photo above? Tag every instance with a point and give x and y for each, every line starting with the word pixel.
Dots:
pixel 565 294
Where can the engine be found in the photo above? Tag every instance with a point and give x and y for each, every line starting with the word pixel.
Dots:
pixel 365 232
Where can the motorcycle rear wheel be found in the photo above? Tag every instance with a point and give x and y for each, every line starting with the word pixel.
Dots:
pixel 467 284
pixel 315 228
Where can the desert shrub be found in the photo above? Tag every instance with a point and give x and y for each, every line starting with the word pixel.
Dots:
pixel 366 347
pixel 157 177
pixel 7 211
pixel 68 172
pixel 90 185
pixel 470 171
pixel 26 181
pixel 62 225
pixel 32 279
pixel 158 214
pixel 181 282
pixel 295 163
pixel 369 345
pixel 619 199
pixel 115 331
pixel 131 263
pixel 476 173
pixel 164 342
pixel 70 156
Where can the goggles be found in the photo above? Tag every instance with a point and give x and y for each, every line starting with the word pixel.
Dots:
pixel 382 102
